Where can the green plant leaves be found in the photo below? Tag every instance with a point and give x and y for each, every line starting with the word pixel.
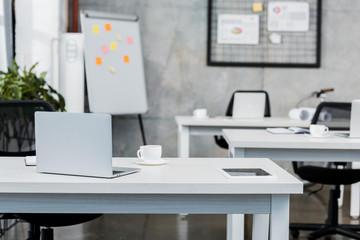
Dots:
pixel 26 85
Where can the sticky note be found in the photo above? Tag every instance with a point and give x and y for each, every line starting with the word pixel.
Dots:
pixel 129 40
pixel 257 7
pixel 104 49
pixel 98 61
pixel 275 38
pixel 107 27
pixel 113 45
pixel 126 59
pixel 112 69
pixel 118 37
pixel 96 29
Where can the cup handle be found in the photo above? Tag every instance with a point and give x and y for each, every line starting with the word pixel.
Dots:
pixel 139 154
pixel 326 130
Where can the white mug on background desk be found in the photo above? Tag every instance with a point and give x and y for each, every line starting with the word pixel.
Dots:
pixel 150 153
pixel 318 130
pixel 200 113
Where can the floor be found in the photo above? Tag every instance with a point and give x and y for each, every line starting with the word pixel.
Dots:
pixel 304 208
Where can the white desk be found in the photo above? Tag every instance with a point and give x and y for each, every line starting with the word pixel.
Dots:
pixel 182 185
pixel 296 147
pixel 188 125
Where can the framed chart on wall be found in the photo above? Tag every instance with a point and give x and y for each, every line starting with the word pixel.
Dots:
pixel 266 33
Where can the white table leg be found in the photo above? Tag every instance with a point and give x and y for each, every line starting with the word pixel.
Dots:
pixel 235 222
pixel 279 217
pixel 354 200
pixel 183 141
pixel 260 229
pixel 355 195
pixel 235 227
pixel 341 198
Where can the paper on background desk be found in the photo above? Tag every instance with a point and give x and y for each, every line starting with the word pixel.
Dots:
pixel 290 130
pixel 30 160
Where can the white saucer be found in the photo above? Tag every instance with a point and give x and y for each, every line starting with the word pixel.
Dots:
pixel 324 136
pixel 204 117
pixel 150 163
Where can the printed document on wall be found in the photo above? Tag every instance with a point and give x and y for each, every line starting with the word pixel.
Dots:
pixel 288 16
pixel 238 29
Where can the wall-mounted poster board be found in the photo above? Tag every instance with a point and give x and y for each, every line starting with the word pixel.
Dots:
pixel 113 63
pixel 266 33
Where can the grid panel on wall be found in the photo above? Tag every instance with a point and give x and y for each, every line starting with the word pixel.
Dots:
pixel 297 49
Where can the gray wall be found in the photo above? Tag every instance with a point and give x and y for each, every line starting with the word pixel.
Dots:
pixel 178 80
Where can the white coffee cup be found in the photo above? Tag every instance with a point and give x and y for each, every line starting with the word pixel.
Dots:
pixel 200 113
pixel 149 153
pixel 318 130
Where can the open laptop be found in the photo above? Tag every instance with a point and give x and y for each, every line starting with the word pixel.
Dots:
pixel 75 144
pixel 354 121
pixel 249 105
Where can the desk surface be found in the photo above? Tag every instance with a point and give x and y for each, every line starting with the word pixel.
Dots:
pixel 249 122
pixel 179 176
pixel 264 139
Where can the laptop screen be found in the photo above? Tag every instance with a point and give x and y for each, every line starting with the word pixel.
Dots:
pixel 249 105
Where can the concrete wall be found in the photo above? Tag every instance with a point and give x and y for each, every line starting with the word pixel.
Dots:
pixel 178 80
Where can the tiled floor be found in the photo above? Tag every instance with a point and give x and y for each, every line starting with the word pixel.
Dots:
pixel 304 208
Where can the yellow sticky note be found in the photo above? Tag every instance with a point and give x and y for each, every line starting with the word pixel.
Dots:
pixel 112 69
pixel 257 7
pixel 126 59
pixel 113 45
pixel 107 27
pixel 96 29
pixel 118 37
pixel 98 61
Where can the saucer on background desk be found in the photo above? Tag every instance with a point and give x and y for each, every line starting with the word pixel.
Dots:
pixel 150 163
pixel 202 117
pixel 323 136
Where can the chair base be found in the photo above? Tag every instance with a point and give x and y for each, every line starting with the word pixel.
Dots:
pixel 322 230
pixel 47 234
pixel 331 225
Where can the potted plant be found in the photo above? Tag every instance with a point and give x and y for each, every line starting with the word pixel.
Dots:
pixel 16 127
pixel 16 84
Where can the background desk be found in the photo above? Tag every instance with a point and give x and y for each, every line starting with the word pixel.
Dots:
pixel 181 186
pixel 188 125
pixel 296 147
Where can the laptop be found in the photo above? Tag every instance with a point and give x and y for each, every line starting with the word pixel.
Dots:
pixel 354 121
pixel 249 105
pixel 76 144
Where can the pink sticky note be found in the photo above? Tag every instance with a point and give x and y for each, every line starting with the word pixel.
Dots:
pixel 129 40
pixel 104 49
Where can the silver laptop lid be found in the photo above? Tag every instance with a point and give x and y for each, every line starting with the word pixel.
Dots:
pixel 249 105
pixel 74 143
pixel 355 119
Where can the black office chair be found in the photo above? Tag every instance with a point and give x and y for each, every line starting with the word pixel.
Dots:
pixel 219 140
pixel 17 138
pixel 336 116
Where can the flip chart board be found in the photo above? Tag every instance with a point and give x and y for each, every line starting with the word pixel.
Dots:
pixel 113 63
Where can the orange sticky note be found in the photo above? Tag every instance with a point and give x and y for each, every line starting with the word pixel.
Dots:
pixel 113 45
pixel 107 27
pixel 126 59
pixel 98 61
pixel 129 40
pixel 96 29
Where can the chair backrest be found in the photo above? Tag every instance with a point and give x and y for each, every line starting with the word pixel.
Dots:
pixel 230 106
pixel 335 115
pixel 17 126
pixel 219 140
